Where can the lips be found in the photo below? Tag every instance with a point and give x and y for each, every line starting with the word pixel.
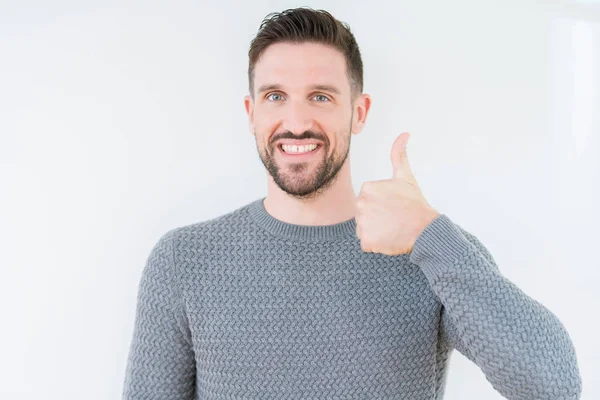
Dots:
pixel 299 155
pixel 298 142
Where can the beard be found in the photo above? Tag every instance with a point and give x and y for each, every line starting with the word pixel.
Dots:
pixel 296 179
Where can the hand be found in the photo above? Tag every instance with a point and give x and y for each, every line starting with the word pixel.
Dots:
pixel 392 213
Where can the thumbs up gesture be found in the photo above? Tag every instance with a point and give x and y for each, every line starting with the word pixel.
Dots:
pixel 392 213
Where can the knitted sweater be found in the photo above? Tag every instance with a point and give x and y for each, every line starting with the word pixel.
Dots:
pixel 245 306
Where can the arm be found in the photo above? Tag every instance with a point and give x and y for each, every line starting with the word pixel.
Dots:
pixel 161 358
pixel 521 347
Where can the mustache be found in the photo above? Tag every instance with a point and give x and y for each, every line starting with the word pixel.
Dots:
pixel 304 135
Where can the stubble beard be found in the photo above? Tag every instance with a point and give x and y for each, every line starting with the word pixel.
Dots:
pixel 295 179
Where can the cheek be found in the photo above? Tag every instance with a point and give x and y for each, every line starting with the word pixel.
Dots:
pixel 266 117
pixel 264 130
pixel 262 135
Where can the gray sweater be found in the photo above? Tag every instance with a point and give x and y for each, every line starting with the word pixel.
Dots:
pixel 245 306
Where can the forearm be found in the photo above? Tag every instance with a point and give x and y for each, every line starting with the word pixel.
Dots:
pixel 522 347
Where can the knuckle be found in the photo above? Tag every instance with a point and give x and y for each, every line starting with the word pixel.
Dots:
pixel 367 187
pixel 364 246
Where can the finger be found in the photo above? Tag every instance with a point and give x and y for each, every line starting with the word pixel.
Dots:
pixel 400 164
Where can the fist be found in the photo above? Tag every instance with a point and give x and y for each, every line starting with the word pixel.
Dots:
pixel 392 213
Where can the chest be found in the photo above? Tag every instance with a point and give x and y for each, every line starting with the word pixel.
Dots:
pixel 257 312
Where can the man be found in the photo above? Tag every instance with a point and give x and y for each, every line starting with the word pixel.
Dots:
pixel 313 292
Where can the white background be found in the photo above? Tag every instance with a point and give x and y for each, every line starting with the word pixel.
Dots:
pixel 122 120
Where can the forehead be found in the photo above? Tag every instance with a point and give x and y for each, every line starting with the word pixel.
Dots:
pixel 300 65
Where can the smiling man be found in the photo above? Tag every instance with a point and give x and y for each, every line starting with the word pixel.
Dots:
pixel 313 292
pixel 303 112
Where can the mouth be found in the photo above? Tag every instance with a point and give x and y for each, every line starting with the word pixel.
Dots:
pixel 299 153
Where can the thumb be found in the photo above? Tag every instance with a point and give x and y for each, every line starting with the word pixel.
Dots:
pixel 400 158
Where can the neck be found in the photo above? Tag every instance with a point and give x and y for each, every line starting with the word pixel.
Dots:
pixel 336 204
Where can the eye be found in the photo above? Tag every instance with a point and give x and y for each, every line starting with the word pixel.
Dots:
pixel 271 94
pixel 323 96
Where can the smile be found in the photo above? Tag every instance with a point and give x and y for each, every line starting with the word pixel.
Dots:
pixel 299 152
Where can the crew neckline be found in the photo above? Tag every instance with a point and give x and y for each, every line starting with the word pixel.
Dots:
pixel 280 228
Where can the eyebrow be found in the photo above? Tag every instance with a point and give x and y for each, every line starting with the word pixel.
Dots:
pixel 275 86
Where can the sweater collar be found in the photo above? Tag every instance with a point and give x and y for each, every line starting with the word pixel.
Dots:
pixel 346 229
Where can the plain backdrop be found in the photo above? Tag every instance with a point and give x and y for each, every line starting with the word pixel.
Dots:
pixel 122 120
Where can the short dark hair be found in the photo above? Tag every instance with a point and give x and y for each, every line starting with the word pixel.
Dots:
pixel 303 24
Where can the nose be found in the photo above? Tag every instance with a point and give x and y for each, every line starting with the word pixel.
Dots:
pixel 298 118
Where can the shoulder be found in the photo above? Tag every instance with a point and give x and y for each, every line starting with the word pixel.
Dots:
pixel 210 231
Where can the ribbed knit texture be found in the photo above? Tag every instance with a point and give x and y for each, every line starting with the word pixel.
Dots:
pixel 245 306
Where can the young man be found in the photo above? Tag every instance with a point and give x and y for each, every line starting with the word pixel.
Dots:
pixel 315 293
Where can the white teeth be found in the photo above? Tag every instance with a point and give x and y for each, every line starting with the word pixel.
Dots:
pixel 298 149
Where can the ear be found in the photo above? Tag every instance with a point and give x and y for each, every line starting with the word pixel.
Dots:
pixel 361 107
pixel 249 106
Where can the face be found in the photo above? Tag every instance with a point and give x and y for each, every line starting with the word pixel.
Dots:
pixel 302 115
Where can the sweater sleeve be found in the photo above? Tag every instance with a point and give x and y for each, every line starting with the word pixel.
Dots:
pixel 161 359
pixel 521 347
